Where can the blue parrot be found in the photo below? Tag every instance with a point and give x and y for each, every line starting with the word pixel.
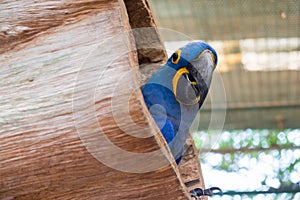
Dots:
pixel 176 92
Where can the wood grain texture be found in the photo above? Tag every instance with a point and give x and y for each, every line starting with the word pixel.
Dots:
pixel 67 70
pixel 190 168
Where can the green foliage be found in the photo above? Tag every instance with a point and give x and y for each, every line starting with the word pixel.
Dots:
pixel 276 152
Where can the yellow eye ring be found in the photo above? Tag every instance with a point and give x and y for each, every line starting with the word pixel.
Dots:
pixel 176 78
pixel 176 56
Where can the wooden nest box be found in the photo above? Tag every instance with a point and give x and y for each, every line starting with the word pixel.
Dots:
pixel 73 123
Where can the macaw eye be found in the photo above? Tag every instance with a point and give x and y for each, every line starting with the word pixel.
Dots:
pixel 176 56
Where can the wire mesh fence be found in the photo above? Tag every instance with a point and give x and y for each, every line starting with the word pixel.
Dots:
pixel 258 42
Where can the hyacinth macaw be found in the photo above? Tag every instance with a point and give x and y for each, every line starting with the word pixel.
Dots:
pixel 176 92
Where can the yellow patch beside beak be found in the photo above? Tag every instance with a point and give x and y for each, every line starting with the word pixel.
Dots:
pixel 175 81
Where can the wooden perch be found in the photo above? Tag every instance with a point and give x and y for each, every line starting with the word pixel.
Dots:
pixel 73 120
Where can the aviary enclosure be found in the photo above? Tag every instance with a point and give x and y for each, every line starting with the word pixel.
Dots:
pixel 71 73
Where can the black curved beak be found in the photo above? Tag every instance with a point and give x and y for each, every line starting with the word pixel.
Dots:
pixel 201 70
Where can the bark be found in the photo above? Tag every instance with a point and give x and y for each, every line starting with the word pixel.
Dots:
pixel 73 124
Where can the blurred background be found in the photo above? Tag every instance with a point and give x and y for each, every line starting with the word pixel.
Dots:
pixel 249 129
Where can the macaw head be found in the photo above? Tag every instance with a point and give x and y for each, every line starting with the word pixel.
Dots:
pixel 194 65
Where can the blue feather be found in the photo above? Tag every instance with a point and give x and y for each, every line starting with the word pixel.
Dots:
pixel 172 117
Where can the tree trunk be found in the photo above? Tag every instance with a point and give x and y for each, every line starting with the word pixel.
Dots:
pixel 73 124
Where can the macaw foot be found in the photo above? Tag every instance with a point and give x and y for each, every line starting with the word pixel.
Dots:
pixel 198 192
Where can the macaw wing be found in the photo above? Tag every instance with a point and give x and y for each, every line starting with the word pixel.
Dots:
pixel 165 126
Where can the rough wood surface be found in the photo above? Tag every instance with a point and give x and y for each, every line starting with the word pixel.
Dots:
pixel 190 168
pixel 64 79
pixel 145 32
pixel 150 48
